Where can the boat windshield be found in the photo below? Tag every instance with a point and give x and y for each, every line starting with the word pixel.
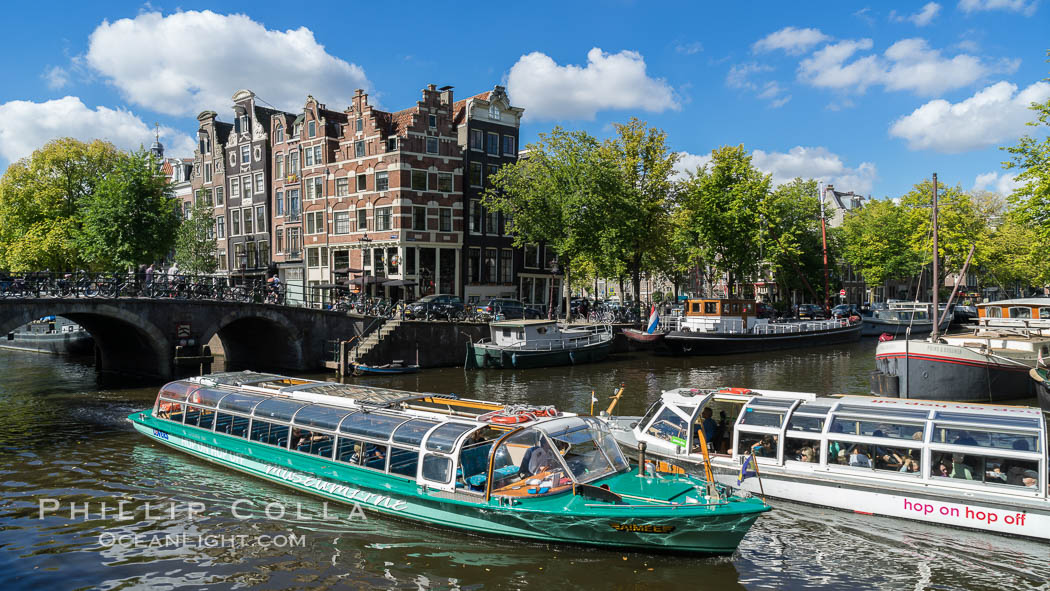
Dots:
pixel 586 447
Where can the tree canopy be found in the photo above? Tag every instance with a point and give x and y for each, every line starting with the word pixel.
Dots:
pixel 195 249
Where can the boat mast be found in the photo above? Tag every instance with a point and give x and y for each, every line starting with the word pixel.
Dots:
pixel 824 241
pixel 936 270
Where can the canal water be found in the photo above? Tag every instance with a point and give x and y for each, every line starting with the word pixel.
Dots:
pixel 66 450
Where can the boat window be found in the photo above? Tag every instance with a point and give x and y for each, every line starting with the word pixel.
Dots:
pixel 811 424
pixel 1020 312
pixel 271 433
pixel 209 396
pixel 278 409
pixel 413 431
pixel 990 421
pixel 240 402
pixel 199 417
pixel 669 427
pixel 322 417
pixel 178 390
pixel 711 308
pixel 896 459
pixel 523 465
pixel 169 410
pixel 993 312
pixel 1044 313
pixel 996 439
pixel 231 424
pixel 869 428
pixel 988 469
pixel 847 453
pixel 404 462
pixel 802 450
pixel 758 417
pixel 371 424
pixel 587 448
pixel 650 414
pixel 725 413
pixel 686 410
pixel 762 445
pixel 361 453
pixel 444 437
pixel 437 468
pixel 882 411
pixel 312 442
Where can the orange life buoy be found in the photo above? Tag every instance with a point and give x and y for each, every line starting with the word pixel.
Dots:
pixel 740 391
pixel 514 419
pixel 546 411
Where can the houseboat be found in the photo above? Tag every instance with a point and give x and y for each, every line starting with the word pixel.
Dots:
pixel 722 326
pixel 523 344
pixel 953 464
pixel 900 319
pixel 526 472
pixel 50 334
pixel 988 363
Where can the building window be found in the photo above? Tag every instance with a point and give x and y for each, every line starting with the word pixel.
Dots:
pixel 314 222
pixel 279 203
pixel 308 157
pixel 205 144
pixel 510 147
pixel 475 174
pixel 246 186
pixel 445 182
pixel 475 216
pixel 383 219
pixel 293 241
pixel 278 134
pixel 506 266
pixel 419 218
pixel 360 125
pixel 220 226
pixel 297 130
pixel 278 240
pixel 508 224
pixel 318 159
pixel 186 210
pixel 260 184
pixel 293 166
pixel 362 182
pixel 432 145
pixel 219 199
pixel 246 154
pixel 362 220
pixel 494 112
pixel 342 187
pixel 391 144
pixel 221 256
pixel 445 219
pixel 294 207
pixel 532 252
pixel 278 166
pixel 313 257
pixel 207 172
pixel 490 264
pixel 493 144
pixel 491 221
pixel 264 254
pixel 243 122
pixel 491 172
pixel 235 188
pixel 477 140
pixel 314 188
pixel 432 121
pixel 260 219
pixel 419 180
pixel 474 265
pixel 342 222
pixel 359 148
pixel 246 220
pixel 311 128
pixel 235 222
pixel 382 181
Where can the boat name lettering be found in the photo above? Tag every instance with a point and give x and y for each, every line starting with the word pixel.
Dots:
pixel 347 492
pixel 161 434
pixel 644 528
pixel 1026 411
pixel 966 512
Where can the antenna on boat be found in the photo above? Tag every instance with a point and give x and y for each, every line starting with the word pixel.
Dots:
pixel 936 268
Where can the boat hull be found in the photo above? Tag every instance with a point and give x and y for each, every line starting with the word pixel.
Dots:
pixel 874 327
pixel 919 369
pixel 494 357
pixel 693 529
pixel 58 343
pixel 697 343
pixel 363 370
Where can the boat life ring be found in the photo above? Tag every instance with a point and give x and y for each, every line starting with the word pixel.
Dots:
pixel 741 391
pixel 511 419
pixel 544 411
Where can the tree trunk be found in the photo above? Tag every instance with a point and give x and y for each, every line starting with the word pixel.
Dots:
pixel 568 293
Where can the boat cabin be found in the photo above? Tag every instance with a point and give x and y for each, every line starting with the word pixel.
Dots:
pixel 976 447
pixel 542 335
pixel 471 449
pixel 720 315
pixel 1020 313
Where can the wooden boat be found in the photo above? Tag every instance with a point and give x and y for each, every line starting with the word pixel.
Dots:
pixel 525 472
pixel 950 464
pixel 642 338
pixel 723 326
pixel 395 367
pixel 524 344
pixel 988 363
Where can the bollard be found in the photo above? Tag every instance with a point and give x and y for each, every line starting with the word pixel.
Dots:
pixel 641 459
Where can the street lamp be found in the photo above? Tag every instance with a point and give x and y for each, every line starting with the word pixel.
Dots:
pixel 364 282
pixel 550 303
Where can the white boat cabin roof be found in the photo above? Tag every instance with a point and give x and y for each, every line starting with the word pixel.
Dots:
pixel 521 323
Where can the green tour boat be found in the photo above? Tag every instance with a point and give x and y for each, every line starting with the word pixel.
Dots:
pixel 521 471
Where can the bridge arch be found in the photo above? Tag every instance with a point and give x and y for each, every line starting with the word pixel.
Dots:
pixel 126 343
pixel 256 338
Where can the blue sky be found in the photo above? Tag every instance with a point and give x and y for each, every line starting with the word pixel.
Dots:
pixel 872 97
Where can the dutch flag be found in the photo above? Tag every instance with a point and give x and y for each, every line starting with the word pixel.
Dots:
pixel 654 320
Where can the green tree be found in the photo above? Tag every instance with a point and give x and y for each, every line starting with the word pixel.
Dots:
pixel 1009 254
pixel 131 218
pixel 195 249
pixel 721 204
pixel 557 195
pixel 791 236
pixel 959 224
pixel 41 202
pixel 877 241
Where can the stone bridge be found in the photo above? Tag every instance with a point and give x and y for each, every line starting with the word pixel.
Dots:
pixel 139 337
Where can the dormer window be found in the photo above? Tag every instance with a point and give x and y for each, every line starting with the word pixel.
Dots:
pixel 432 121
pixel 311 128
pixel 297 130
pixel 360 125
pixel 494 112
pixel 244 124
pixel 205 144
pixel 278 134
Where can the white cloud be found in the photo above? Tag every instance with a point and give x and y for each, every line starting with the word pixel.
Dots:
pixel 689 163
pixel 689 48
pixel 739 75
pixel 26 126
pixel 1003 184
pixel 1022 6
pixel 921 18
pixel 187 62
pixel 909 64
pixel 815 163
pixel 793 41
pixel 608 81
pixel 993 115
pixel 57 77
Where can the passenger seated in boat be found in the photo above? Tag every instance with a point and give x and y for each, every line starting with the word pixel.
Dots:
pixel 960 469
pixel 944 467
pixel 859 457
pixel 909 466
pixel 765 447
pixel 806 454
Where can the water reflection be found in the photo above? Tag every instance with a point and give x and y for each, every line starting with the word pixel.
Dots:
pixel 64 437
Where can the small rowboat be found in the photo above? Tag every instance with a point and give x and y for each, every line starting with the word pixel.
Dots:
pixel 642 337
pixel 397 367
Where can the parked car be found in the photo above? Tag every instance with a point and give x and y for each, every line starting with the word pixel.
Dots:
pixel 810 312
pixel 443 305
pixel 845 311
pixel 506 309
pixel 765 310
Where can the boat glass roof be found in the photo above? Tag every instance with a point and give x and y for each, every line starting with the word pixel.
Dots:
pixel 240 402
pixel 869 411
pixel 277 408
pixel 814 408
pixel 777 403
pixel 413 431
pixel 444 437
pixel 209 396
pixel 366 394
pixel 177 390
pixel 370 424
pixel 988 421
pixel 321 416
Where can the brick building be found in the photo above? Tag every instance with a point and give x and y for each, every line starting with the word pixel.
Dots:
pixel 208 180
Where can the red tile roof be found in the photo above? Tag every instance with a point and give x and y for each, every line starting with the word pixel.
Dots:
pixel 459 108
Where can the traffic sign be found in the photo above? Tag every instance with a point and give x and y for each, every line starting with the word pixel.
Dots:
pixel 842 292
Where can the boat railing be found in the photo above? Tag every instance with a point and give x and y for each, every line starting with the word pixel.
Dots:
pixel 595 335
pixel 677 324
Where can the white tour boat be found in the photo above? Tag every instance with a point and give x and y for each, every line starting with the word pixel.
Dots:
pixel 954 464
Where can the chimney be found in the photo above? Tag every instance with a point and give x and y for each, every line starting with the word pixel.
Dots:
pixel 446 95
